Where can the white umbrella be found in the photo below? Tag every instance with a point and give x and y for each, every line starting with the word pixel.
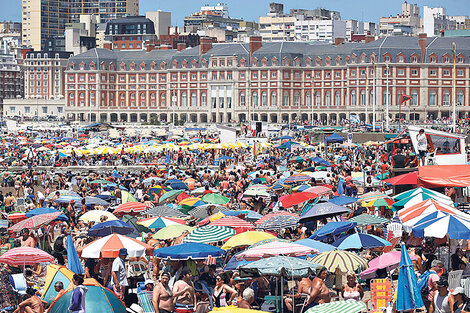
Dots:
pixel 108 247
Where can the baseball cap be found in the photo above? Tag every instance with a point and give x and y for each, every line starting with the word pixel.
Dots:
pixel 123 251
pixel 458 290
pixel 442 283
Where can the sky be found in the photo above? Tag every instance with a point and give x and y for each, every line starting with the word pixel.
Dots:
pixel 362 10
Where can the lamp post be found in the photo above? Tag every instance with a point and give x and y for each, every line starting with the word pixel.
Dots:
pixel 373 103
pixel 366 100
pixel 454 49
pixel 387 100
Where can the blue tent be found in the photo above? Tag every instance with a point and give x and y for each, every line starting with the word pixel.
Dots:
pixel 110 227
pixel 334 138
pixel 408 293
pixel 72 256
pixel 288 145
pixel 189 250
pixel 323 210
pixel 40 211
pixel 342 200
pixel 331 229
pixel 320 246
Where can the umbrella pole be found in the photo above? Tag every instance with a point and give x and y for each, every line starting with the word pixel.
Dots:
pixel 282 295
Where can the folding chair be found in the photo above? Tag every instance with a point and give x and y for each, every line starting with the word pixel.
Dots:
pixel 454 279
pixel 381 294
pixel 18 281
pixel 145 301
pixel 396 229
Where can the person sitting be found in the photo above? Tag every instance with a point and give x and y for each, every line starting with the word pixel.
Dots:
pixel 59 287
pixel 458 260
pixel 303 288
pixel 31 305
pixel 248 297
pixel 352 290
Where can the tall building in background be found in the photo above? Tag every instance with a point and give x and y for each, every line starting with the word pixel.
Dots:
pixel 435 21
pixel 46 19
pixel 409 18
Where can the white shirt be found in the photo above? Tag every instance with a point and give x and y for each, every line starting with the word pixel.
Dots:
pixel 422 142
pixel 120 268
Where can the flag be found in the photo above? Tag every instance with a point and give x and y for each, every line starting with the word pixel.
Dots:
pixel 404 98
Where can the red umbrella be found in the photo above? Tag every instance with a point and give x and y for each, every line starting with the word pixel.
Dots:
pixel 234 222
pixel 16 217
pixel 405 179
pixel 25 256
pixel 319 190
pixel 273 214
pixel 297 198
pixel 132 207
pixel 35 221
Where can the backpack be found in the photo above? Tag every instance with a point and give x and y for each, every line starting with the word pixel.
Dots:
pixel 423 282
pixel 59 244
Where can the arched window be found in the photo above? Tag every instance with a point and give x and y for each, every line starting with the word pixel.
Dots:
pixel 184 99
pixel 460 98
pixel 242 98
pixel 254 98
pixel 446 98
pixel 414 97
pixel 337 98
pixel 264 98
pixel 274 98
pixel 203 99
pixel 286 99
pixel 308 99
pixel 432 98
pixel 297 99
pixel 193 99
pixel 327 98
pixel 363 97
pixel 317 99
pixel 353 97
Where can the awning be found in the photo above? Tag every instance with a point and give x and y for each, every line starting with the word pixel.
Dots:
pixel 435 176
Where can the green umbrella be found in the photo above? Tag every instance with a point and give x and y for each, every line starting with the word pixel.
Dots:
pixel 171 232
pixel 256 193
pixel 100 181
pixel 133 220
pixel 367 219
pixel 170 195
pixel 344 306
pixel 209 234
pixel 215 199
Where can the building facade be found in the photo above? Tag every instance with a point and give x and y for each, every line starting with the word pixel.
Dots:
pixel 274 82
pixel 11 78
pixel 436 21
pixel 130 33
pixel 409 17
pixel 43 20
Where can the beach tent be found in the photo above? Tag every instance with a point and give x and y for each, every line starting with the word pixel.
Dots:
pixel 334 138
pixel 55 273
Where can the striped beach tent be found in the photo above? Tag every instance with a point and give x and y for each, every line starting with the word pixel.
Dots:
pixel 209 234
pixel 343 260
pixel 347 306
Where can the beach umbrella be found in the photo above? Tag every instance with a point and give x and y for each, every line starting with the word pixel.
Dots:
pixel 203 211
pixel 382 202
pixel 256 192
pixel 176 184
pixel 212 218
pixel 209 234
pixel 132 221
pixel 273 214
pixel 276 248
pixel 372 196
pixel 126 196
pixel 68 199
pixel 35 222
pixel 454 226
pixel 110 227
pixel 320 161
pixel 108 247
pixel 160 222
pixel 95 216
pixel 93 201
pixel 170 195
pixel 343 306
pixel 319 190
pixel 343 260
pixel 172 231
pixel 63 193
pixel 318 245
pixel 100 181
pixel 278 266
pixel 360 241
pixel 408 292
pixel 190 203
pixel 40 211
pixel 215 198
pixel 189 250
pixel 405 179
pixel 416 191
pixel 265 241
pixel 297 178
pixel 297 198
pixel 279 222
pixel 73 261
pixel 343 200
pixel 367 219
pixel 17 217
pixel 152 180
pixel 419 210
pixel 412 200
pixel 297 159
pixel 332 229
pixel 132 208
pixel 25 256
pixel 278 186
pixel 389 261
pixel 224 158
pixel 233 264
pixel 165 211
pixel 246 239
pixel 323 210
pixel 234 222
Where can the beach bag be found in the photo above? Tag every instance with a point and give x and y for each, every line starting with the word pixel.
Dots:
pixel 423 282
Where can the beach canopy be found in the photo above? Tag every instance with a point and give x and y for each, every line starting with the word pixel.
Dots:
pixel 408 293
pixel 246 239
pixel 332 229
pixel 172 231
pixel 389 261
pixel 416 191
pixel 25 256
pixel 437 176
pixel 297 198
pixel 278 266
pixel 412 200
pixel 108 247
pixel 189 250
pixel 367 219
pixel 452 225
pixel 209 234
pixel 334 138
pixel 405 179
pixel 279 222
pixel 34 222
pixel 40 211
pixel 95 215
pixel 110 227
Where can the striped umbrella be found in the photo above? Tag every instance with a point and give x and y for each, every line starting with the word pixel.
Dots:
pixel 34 222
pixel 190 203
pixel 164 210
pixel 265 241
pixel 132 207
pixel 345 306
pixel 25 256
pixel 209 234
pixel 160 222
pixel 215 198
pixel 278 222
pixel 232 221
pixel 297 178
pixel 108 247
pixel 205 210
pixel 273 214
pixel 367 219
pixel 342 260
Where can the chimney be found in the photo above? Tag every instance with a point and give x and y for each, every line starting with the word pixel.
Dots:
pixel 338 41
pixel 181 46
pixel 369 39
pixel 205 45
pixel 256 42
pixel 423 43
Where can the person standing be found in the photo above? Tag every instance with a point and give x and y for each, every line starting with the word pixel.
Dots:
pixel 77 302
pixel 162 298
pixel 119 281
pixel 442 303
pixel 422 146
pixel 184 295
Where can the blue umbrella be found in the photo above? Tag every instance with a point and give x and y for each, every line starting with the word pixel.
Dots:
pixel 279 222
pixel 320 246
pixel 73 261
pixel 408 293
pixel 189 250
pixel 110 227
pixel 224 158
pixel 233 264
pixel 323 210
pixel 360 241
pixel 332 229
pixel 68 199
pixel 320 161
pixel 176 184
pixel 284 138
pixel 343 200
pixel 40 211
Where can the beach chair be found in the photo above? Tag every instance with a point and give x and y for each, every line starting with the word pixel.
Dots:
pixel 18 281
pixel 381 294
pixel 454 279
pixel 396 229
pixel 430 158
pixel 138 268
pixel 145 301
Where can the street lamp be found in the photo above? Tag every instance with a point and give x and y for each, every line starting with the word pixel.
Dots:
pixel 373 103
pixel 454 49
pixel 387 120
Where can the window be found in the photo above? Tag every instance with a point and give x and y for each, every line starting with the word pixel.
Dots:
pixel 401 59
pixel 337 98
pixel 446 98
pixel 460 98
pixel 254 98
pixel 353 97
pixel 242 98
pixel 308 99
pixel 204 99
pixel 444 144
pixel 386 97
pixel 27 110
pixel 264 98
pixel 414 72
pixel 297 99
pixel 274 98
pixel 432 73
pixel 414 97
pixel 184 99
pixel 362 100
pixel 387 58
pixel 44 110
pixel 221 102
pixel 286 99
pixel 432 98
pixel 193 99
pixel 401 72
pixel 327 99
pixel 459 73
pixel 446 72
pixel 317 99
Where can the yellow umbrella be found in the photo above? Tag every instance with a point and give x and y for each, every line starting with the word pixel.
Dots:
pixel 233 309
pixel 171 232
pixel 246 239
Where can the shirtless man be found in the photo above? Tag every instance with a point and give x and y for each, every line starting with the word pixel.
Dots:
pixel 184 296
pixel 319 293
pixel 26 240
pixel 303 288
pixel 31 305
pixel 162 298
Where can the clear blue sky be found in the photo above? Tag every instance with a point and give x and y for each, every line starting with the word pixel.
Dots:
pixel 367 10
